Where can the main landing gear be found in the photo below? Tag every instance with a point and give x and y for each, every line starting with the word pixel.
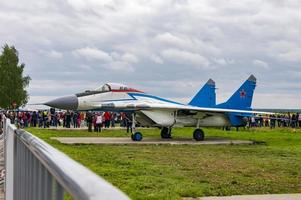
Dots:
pixel 136 136
pixel 165 133
pixel 198 134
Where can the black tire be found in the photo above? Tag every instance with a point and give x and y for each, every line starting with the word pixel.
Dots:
pixel 198 134
pixel 165 133
pixel 137 136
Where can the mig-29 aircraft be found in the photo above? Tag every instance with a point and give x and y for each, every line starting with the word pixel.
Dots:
pixel 150 110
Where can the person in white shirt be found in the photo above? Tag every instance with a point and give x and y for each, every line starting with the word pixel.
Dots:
pixel 98 122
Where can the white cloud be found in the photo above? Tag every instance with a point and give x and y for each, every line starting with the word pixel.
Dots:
pixel 285 50
pixel 78 4
pixel 113 61
pixel 168 39
pixel 83 5
pixel 294 55
pixel 195 40
pixel 130 58
pixel 93 53
pixel 156 59
pixel 85 67
pixel 55 54
pixel 262 64
pixel 220 61
pixel 286 100
pixel 185 57
pixel 119 66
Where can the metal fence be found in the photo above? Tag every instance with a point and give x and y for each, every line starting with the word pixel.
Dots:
pixel 34 170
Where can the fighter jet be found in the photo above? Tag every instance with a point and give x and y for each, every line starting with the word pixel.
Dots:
pixel 150 110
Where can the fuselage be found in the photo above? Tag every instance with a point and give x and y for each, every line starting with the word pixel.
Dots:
pixel 119 98
pixel 145 116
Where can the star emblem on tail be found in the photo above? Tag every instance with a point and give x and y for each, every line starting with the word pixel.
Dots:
pixel 243 93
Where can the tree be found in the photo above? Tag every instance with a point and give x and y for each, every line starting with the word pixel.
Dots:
pixel 12 82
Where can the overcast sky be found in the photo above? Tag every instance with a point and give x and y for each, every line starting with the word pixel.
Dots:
pixel 168 48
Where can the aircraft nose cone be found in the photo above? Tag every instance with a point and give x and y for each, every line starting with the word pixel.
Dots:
pixel 66 103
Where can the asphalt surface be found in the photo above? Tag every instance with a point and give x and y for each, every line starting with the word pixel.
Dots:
pixel 149 140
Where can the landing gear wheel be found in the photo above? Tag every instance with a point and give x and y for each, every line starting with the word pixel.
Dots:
pixel 198 134
pixel 165 133
pixel 136 136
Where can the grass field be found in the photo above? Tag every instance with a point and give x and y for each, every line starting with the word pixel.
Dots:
pixel 172 172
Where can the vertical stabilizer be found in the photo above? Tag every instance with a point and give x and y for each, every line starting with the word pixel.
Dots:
pixel 206 96
pixel 242 98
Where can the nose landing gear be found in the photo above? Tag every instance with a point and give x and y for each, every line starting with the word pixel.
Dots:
pixel 136 136
pixel 165 133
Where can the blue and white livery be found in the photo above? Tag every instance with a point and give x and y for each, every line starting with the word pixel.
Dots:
pixel 150 110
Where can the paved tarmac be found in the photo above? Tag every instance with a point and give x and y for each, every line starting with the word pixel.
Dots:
pixel 252 197
pixel 149 140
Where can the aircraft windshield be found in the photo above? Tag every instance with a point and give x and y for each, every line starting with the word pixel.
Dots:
pixel 104 88
pixel 115 87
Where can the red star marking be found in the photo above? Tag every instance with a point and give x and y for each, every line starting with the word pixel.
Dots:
pixel 243 93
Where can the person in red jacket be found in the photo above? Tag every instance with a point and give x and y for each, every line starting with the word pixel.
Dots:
pixel 107 117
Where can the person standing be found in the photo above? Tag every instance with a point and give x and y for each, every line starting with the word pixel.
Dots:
pixel 78 120
pixel 113 118
pixel 34 119
pixel 272 121
pixel 289 120
pixel 82 119
pixel 89 120
pixel 122 119
pixel 45 115
pixel 253 122
pixel 40 119
pixel 55 119
pixel 98 122
pixel 68 119
pixel 107 118
pixel 293 121
pixel 299 120
pixel 279 120
pixel 25 119
pixel 128 123
pixel 74 119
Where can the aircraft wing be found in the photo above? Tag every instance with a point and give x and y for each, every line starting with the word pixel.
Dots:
pixel 148 105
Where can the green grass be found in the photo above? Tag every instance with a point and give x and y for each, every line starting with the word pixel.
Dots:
pixel 172 172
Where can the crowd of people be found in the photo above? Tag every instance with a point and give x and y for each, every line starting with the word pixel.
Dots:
pixel 95 121
pixel 68 119
pixel 281 120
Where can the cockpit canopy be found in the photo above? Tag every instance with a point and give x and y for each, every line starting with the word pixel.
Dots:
pixel 112 87
pixel 108 87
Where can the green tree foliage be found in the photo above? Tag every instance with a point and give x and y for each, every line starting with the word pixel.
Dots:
pixel 12 82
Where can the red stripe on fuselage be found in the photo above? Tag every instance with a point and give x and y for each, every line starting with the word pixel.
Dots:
pixel 129 90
